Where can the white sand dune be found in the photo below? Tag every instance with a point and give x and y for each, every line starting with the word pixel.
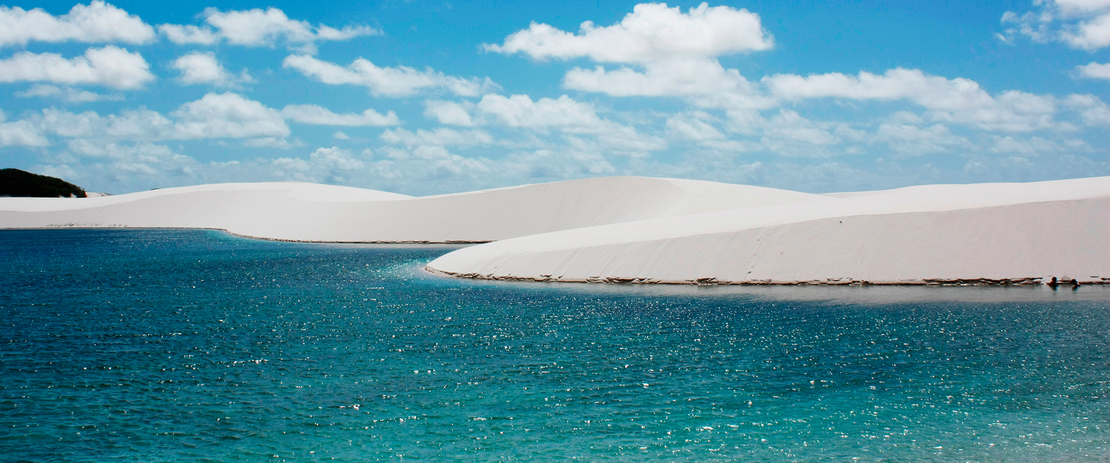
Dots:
pixel 309 212
pixel 649 230
pixel 941 234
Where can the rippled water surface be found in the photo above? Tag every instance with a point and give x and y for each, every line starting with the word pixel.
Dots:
pixel 162 345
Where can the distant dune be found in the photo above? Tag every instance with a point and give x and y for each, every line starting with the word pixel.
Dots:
pixel 310 212
pixel 648 230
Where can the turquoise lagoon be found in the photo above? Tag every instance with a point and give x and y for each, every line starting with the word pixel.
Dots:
pixel 187 345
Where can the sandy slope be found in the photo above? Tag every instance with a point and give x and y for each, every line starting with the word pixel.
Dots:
pixel 928 234
pixel 308 212
pixel 648 230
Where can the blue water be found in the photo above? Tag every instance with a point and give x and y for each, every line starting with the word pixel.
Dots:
pixel 163 345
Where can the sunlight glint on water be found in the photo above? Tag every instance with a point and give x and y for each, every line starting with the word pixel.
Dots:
pixel 184 345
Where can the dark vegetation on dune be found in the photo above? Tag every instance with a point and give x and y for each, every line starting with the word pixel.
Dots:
pixel 15 182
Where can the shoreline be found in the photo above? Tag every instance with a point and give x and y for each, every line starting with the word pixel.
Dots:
pixel 240 235
pixel 938 282
pixel 657 231
pixel 622 281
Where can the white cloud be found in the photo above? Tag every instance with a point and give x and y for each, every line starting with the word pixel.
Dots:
pixel 325 165
pixel 271 142
pixel 21 133
pixel 914 140
pixel 521 111
pixel 1028 147
pixel 448 112
pixel 257 27
pixel 896 84
pixel 704 82
pixel 677 53
pixel 228 115
pixel 789 134
pixel 130 152
pixel 97 22
pixel 564 114
pixel 1092 34
pixel 1079 23
pixel 108 66
pixel 189 34
pixel 316 115
pixel 438 137
pixel 1094 71
pixel 123 167
pixel 1091 109
pixel 1081 6
pixel 68 94
pixel 695 126
pixel 138 124
pixel 951 100
pixel 546 164
pixel 397 81
pixel 1035 25
pixel 568 116
pixel 621 139
pixel 336 158
pixel 203 68
pixel 652 32
pixel 67 124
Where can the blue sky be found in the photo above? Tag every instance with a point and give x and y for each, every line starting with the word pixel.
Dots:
pixel 424 97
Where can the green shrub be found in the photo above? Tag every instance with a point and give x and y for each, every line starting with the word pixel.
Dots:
pixel 15 182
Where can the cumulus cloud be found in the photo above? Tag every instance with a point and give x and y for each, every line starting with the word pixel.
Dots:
pixel 1081 24
pixel 1082 6
pixel 108 66
pixel 400 81
pixel 316 115
pixel 570 117
pixel 325 165
pixel 914 140
pixel 672 54
pixel 438 137
pixel 1094 71
pixel 695 126
pixel 21 133
pixel 189 34
pixel 665 53
pixel 448 112
pixel 97 22
pixel 521 111
pixel 68 94
pixel 1037 26
pixel 704 82
pixel 121 167
pixel 563 114
pixel 1091 34
pixel 1033 146
pixel 952 100
pixel 895 84
pixel 789 134
pixel 652 32
pixel 1092 110
pixel 257 27
pixel 228 115
pixel 203 68
pixel 623 140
